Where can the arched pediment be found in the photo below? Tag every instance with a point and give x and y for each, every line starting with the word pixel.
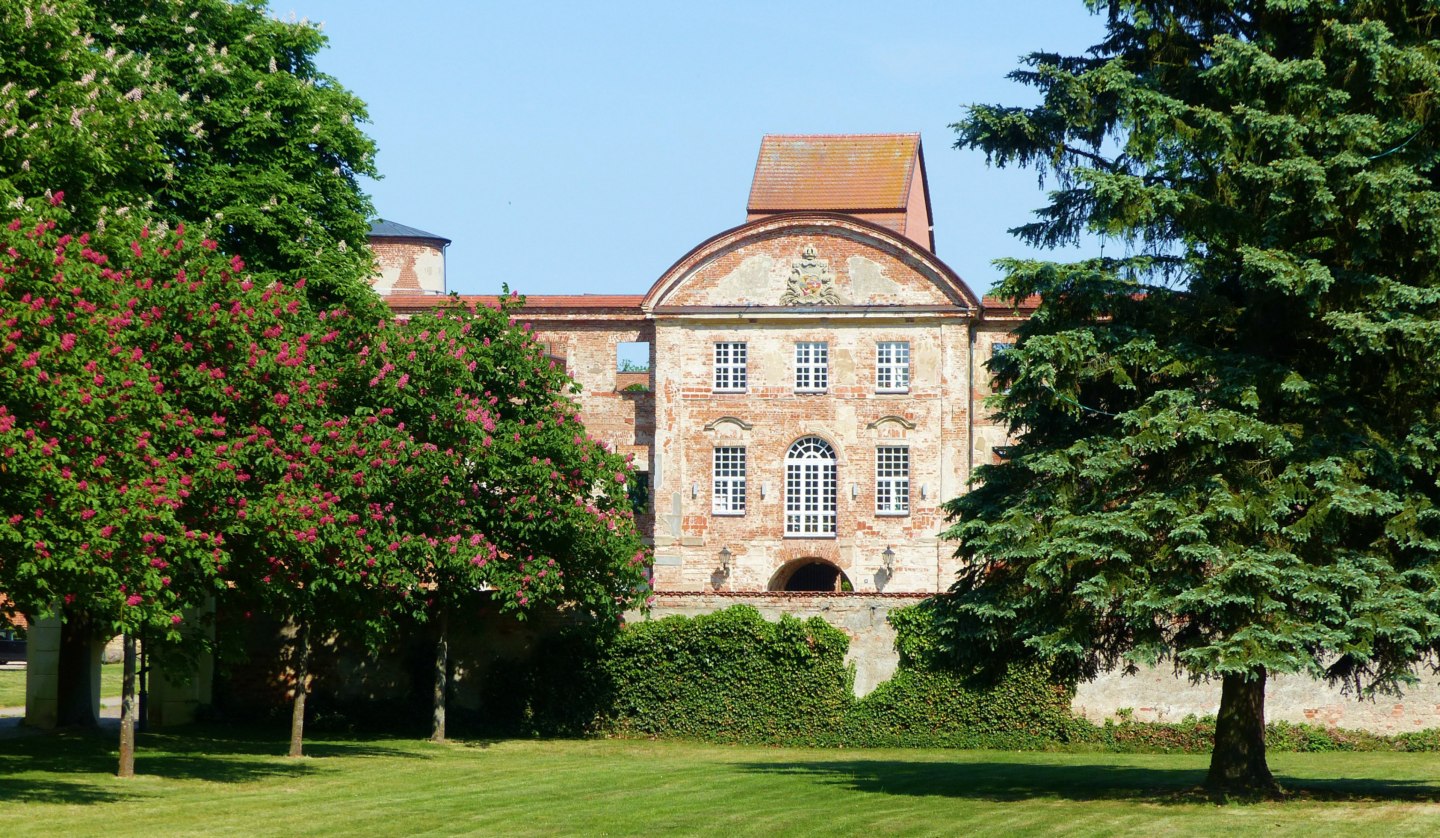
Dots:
pixel 811 262
pixel 892 418
pixel 729 420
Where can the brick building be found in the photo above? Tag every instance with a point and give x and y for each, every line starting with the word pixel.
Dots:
pixel 814 383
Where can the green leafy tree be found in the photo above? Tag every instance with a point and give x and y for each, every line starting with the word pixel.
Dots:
pixel 194 111
pixel 502 491
pixel 1228 437
pixel 127 371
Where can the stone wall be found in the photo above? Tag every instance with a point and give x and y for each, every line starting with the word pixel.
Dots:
pixel 863 618
pixel 1157 695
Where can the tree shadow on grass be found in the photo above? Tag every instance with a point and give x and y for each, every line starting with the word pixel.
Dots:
pixel 33 768
pixel 1003 782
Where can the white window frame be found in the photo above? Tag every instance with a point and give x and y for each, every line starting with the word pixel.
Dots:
pixel 892 366
pixel 730 367
pixel 812 366
pixel 811 489
pixel 727 488
pixel 892 480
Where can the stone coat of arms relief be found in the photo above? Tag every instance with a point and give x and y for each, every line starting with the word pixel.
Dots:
pixel 811 281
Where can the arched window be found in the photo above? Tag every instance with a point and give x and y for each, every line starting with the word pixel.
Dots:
pixel 810 488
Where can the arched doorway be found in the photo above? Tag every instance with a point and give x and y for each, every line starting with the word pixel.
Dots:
pixel 810 575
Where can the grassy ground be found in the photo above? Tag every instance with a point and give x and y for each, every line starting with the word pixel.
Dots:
pixel 218 782
pixel 12 684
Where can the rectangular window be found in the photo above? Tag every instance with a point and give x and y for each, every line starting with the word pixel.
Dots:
pixel 892 366
pixel 727 495
pixel 892 480
pixel 812 367
pixel 1000 348
pixel 729 367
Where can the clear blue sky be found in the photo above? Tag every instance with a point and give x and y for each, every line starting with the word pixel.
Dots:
pixel 584 147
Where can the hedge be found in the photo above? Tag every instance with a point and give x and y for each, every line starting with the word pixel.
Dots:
pixel 733 676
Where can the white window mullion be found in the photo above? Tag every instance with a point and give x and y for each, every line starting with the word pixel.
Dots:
pixel 730 372
pixel 892 366
pixel 728 490
pixel 892 480
pixel 812 366
pixel 810 488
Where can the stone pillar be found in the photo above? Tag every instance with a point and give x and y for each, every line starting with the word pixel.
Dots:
pixel 42 673
pixel 175 696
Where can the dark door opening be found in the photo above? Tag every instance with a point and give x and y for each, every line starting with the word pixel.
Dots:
pixel 816 576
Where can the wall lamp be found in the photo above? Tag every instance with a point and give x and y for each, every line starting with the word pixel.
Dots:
pixel 888 558
pixel 725 555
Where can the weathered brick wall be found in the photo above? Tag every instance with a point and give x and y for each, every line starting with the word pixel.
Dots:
pixel 881 292
pixel 588 346
pixel 408 266
pixel 852 417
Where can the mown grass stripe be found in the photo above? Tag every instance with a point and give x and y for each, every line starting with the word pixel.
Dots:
pixel 207 782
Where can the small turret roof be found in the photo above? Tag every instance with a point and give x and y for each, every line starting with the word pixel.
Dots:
pixel 383 229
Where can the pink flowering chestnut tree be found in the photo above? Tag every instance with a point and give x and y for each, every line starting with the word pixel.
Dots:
pixel 502 492
pixel 129 373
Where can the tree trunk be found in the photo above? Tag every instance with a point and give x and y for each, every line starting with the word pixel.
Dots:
pixel 1237 764
pixel 143 723
pixel 302 677
pixel 127 712
pixel 442 679
pixel 75 688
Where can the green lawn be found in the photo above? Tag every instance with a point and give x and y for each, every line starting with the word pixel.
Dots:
pixel 12 684
pixel 218 782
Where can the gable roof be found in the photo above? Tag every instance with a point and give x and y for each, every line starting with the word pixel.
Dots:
pixel 834 172
pixel 878 177
pixel 383 229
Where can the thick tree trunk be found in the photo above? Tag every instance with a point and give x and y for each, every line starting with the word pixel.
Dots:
pixel 1237 765
pixel 302 687
pixel 442 679
pixel 75 688
pixel 127 712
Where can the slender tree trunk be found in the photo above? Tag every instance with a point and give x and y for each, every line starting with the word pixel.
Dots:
pixel 75 688
pixel 127 712
pixel 442 678
pixel 302 687
pixel 1237 765
pixel 143 723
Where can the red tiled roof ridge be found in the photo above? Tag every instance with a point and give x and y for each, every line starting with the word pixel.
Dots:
pixel 843 136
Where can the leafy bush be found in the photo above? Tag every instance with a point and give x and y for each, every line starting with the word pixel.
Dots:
pixel 1024 709
pixel 730 676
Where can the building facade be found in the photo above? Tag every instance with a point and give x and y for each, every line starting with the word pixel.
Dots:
pixel 811 381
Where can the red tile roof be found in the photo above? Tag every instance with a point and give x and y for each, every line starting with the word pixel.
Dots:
pixel 834 172
pixel 584 300
pixel 1006 304
pixel 533 302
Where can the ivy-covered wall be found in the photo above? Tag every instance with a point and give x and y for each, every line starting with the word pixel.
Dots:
pixel 733 676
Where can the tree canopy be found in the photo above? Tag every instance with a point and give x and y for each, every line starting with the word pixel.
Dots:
pixel 1227 436
pixel 195 111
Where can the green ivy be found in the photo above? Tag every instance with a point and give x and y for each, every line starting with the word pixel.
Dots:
pixel 730 676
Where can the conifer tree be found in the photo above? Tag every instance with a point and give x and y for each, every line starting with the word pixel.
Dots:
pixel 1227 433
